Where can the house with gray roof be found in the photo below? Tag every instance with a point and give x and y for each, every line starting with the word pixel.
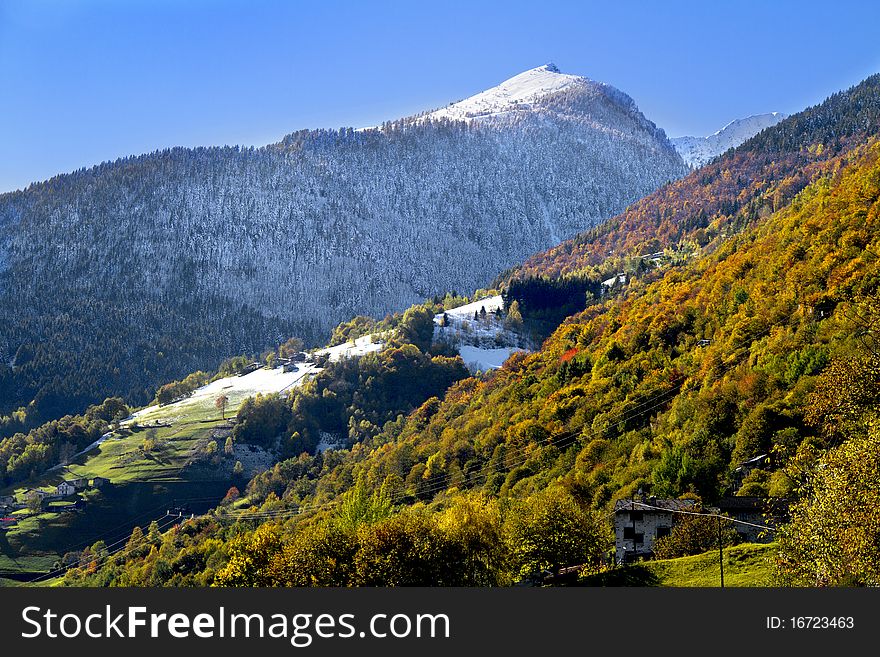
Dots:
pixel 639 522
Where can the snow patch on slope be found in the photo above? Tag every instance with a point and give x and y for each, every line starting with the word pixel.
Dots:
pixel 235 388
pixel 698 151
pixel 353 349
pixel 477 358
pixel 482 340
pixel 262 381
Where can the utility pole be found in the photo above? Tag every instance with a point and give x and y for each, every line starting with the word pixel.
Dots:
pixel 720 553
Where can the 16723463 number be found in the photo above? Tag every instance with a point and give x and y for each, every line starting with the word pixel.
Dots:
pixel 822 622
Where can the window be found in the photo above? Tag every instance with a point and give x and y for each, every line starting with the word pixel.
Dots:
pixel 639 538
pixel 662 532
pixel 628 532
pixel 636 516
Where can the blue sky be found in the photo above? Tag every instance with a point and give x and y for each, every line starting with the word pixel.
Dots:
pixel 85 81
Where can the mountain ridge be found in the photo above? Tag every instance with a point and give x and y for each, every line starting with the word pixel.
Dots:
pixel 698 151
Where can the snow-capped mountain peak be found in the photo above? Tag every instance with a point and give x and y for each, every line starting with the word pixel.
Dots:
pixel 516 93
pixel 697 151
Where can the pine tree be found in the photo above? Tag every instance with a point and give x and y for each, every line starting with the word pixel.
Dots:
pixel 154 536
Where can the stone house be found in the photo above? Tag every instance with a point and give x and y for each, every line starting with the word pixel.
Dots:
pixel 99 482
pixel 638 523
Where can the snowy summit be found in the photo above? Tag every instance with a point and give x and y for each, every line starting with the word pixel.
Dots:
pixel 697 151
pixel 518 93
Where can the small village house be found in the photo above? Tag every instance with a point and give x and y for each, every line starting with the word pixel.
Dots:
pixel 7 500
pixel 252 367
pixel 638 523
pixel 65 489
pixel 99 482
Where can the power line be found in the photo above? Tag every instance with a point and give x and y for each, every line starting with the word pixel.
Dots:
pixel 100 560
pixel 125 539
pixel 707 515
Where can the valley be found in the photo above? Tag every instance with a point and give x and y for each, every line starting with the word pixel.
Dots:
pixel 705 351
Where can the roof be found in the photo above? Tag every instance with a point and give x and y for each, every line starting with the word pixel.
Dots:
pixel 756 459
pixel 654 504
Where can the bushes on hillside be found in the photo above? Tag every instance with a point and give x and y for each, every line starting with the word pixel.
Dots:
pixel 261 420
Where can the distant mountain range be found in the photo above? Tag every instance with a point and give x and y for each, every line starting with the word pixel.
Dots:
pixel 698 151
pixel 136 271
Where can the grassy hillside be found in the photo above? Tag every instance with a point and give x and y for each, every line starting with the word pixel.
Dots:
pixel 172 473
pixel 744 565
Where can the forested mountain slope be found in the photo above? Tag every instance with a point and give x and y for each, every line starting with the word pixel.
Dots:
pixel 140 270
pixel 756 339
pixel 756 179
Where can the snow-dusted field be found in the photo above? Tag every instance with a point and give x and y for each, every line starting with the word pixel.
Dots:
pixel 236 388
pixel 477 358
pixel 483 343
pixel 360 347
pixel 485 331
pixel 262 381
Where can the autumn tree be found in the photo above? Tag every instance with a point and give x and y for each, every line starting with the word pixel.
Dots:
pixel 694 535
pixel 359 505
pixel 551 530
pixel 290 347
pixel 514 319
pixel 317 555
pixel 473 522
pixel 417 327
pixel 250 558
pixel 220 404
pixel 407 549
pixel 834 535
